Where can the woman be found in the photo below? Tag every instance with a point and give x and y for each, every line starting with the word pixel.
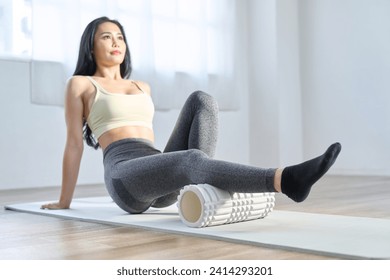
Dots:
pixel 119 112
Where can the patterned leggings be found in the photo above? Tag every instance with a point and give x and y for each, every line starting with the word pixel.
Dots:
pixel 138 176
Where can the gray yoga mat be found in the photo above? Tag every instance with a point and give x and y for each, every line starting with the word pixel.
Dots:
pixel 330 235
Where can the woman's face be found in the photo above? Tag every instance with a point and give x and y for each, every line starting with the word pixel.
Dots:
pixel 109 45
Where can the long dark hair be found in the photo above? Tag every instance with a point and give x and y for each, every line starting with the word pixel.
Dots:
pixel 86 65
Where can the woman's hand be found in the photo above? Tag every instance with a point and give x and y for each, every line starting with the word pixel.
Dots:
pixel 54 206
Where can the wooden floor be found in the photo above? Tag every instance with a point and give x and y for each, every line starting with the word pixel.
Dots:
pixel 27 236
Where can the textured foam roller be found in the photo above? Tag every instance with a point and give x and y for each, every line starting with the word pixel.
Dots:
pixel 204 205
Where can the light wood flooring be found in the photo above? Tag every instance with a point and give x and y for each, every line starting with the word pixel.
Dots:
pixel 27 236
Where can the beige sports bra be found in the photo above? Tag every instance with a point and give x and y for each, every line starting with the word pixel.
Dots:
pixel 113 110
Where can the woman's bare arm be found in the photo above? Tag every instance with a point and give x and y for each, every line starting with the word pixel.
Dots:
pixel 74 143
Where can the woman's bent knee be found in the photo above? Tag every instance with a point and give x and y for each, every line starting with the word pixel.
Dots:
pixel 204 99
pixel 195 156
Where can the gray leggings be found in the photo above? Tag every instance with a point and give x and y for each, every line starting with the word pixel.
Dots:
pixel 138 176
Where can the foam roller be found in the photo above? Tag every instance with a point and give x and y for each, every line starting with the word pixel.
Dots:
pixel 204 205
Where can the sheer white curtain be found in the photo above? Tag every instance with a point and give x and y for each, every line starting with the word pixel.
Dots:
pixel 178 46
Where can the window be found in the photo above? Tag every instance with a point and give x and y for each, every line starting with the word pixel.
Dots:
pixel 176 45
pixel 15 22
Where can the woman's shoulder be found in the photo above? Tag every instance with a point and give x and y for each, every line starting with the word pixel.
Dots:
pixel 78 84
pixel 78 80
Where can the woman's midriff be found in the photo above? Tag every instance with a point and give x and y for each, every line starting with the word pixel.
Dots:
pixel 125 132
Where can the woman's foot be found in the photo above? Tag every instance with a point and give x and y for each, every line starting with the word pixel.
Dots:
pixel 297 180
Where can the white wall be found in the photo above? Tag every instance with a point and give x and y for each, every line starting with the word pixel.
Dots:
pixel 275 93
pixel 319 73
pixel 33 136
pixel 346 81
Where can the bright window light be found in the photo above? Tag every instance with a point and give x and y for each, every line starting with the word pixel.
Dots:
pixel 15 26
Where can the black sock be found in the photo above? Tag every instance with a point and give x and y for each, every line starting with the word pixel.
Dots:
pixel 297 180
